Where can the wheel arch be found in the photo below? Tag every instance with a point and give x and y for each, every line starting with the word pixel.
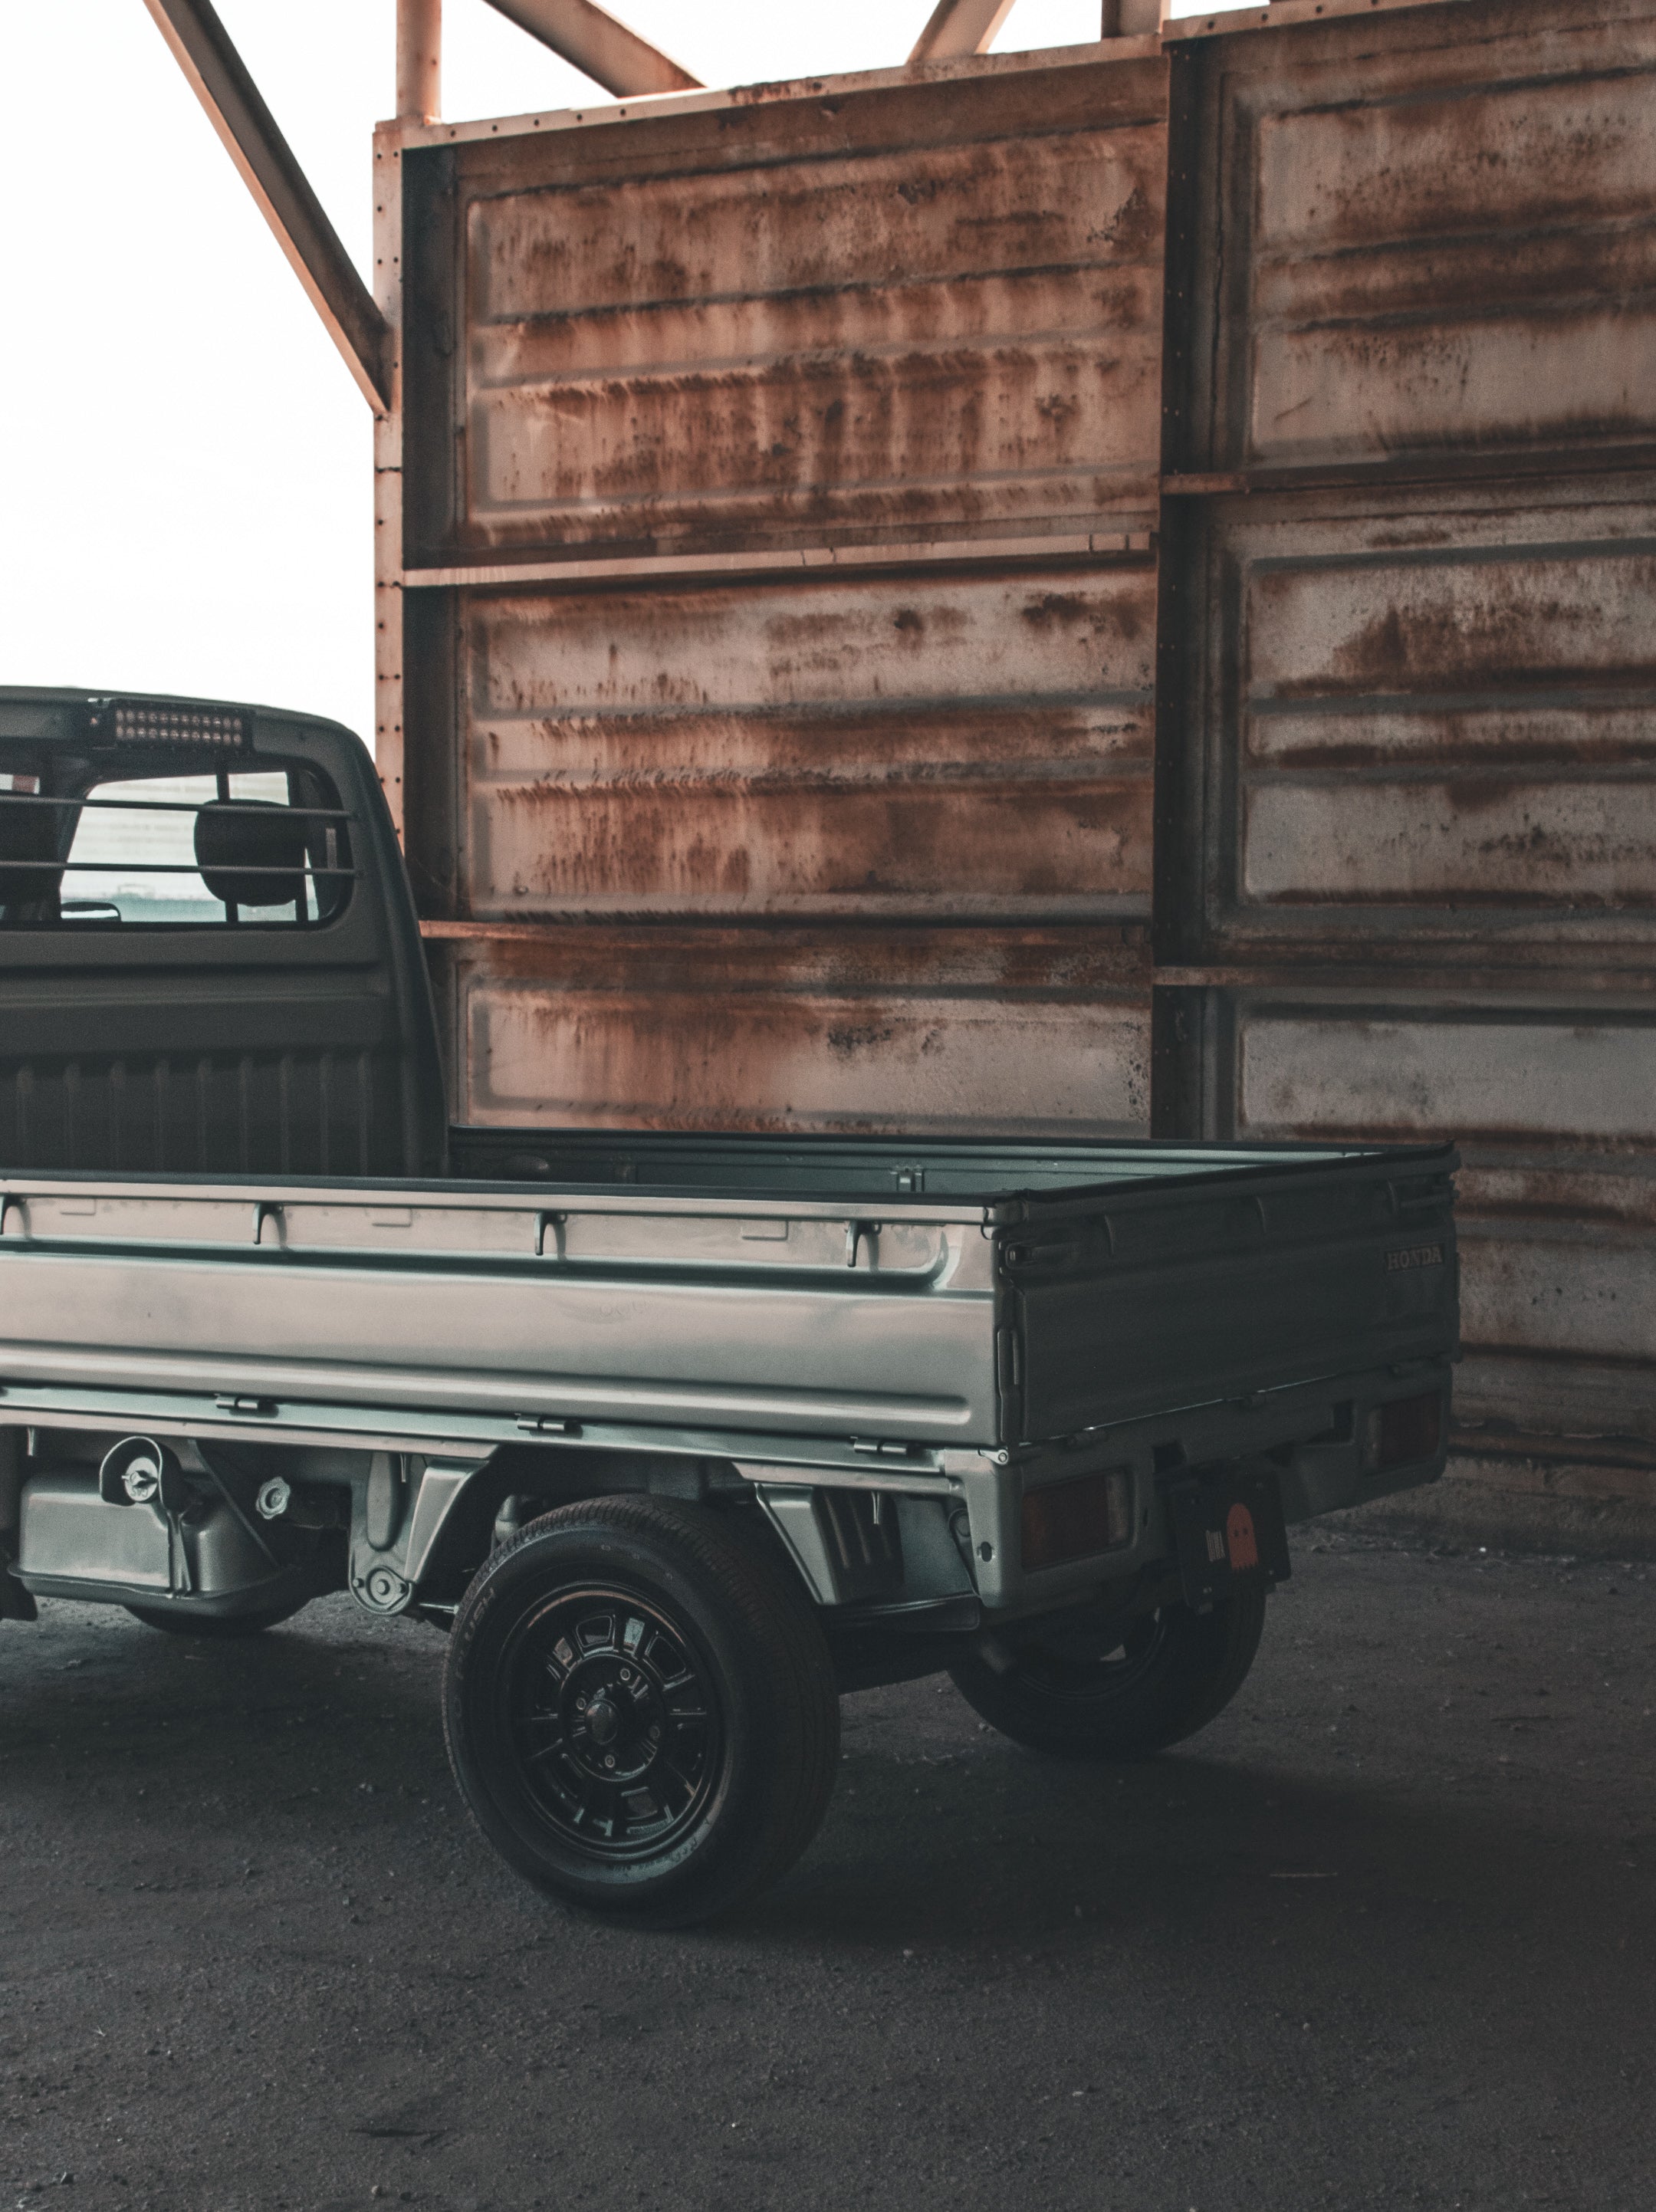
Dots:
pixel 535 1478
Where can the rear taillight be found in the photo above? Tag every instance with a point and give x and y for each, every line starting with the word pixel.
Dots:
pixel 1072 1520
pixel 1407 1430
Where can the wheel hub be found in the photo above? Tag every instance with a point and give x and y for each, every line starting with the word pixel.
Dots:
pixel 604 1721
pixel 613 1714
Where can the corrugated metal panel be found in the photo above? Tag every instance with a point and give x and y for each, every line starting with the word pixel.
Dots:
pixel 1427 718
pixel 1034 1034
pixel 1437 236
pixel 904 307
pixel 1495 1076
pixel 317 1112
pixel 953 745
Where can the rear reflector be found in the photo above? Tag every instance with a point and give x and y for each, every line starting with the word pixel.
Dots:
pixel 1408 1429
pixel 1072 1520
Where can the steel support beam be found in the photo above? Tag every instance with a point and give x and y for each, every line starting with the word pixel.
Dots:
pixel 203 50
pixel 599 46
pixel 419 60
pixel 960 27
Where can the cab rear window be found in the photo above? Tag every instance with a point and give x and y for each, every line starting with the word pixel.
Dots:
pixel 227 848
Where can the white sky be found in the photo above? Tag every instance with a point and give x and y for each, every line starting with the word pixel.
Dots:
pixel 188 480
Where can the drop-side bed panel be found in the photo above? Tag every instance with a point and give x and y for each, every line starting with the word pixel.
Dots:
pixel 1159 1299
pixel 786 1287
pixel 738 1321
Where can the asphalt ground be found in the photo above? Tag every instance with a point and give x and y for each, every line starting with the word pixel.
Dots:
pixel 1383 1935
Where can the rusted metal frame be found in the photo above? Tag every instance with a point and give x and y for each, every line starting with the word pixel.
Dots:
pixel 1528 982
pixel 1126 935
pixel 1179 29
pixel 784 561
pixel 1450 466
pixel 419 60
pixel 715 101
pixel 956 28
pixel 479 963
pixel 1177 1059
pixel 388 475
pixel 219 80
pixel 601 47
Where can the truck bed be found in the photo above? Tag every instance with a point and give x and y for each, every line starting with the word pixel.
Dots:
pixel 792 1298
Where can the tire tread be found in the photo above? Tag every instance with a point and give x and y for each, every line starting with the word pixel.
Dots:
pixel 776 1620
pixel 1204 1674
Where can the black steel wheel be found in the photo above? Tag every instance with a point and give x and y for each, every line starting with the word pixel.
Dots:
pixel 215 1628
pixel 640 1710
pixel 616 1719
pixel 1082 1685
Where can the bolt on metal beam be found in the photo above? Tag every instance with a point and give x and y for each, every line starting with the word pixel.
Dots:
pixel 219 77
pixel 600 46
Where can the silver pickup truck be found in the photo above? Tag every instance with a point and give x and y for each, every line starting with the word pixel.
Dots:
pixel 679 1436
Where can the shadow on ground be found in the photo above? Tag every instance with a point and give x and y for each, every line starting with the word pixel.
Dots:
pixel 1383 1935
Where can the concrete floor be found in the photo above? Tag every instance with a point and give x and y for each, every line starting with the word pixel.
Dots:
pixel 1384 1935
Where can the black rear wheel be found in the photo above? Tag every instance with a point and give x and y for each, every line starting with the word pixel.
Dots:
pixel 640 1710
pixel 1082 1685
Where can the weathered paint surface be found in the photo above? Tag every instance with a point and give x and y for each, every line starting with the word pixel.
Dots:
pixel 835 315
pixel 938 744
pixel 931 305
pixel 1491 1075
pixel 1435 713
pixel 830 349
pixel 1462 258
pixel 1036 1035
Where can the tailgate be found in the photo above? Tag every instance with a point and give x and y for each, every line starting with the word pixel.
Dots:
pixel 1171 1297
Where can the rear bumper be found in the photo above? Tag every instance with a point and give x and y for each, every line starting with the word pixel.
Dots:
pixel 1325 1442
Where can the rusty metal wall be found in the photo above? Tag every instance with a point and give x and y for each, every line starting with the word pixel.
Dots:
pixel 779 480
pixel 1407 758
pixel 1425 236
pixel 1036 1033
pixel 1059 592
pixel 869 305
pixel 1418 721
pixel 975 743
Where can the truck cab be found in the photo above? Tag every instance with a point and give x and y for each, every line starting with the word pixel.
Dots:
pixel 209 958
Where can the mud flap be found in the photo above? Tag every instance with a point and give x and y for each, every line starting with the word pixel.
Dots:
pixel 1230 1525
pixel 16 1602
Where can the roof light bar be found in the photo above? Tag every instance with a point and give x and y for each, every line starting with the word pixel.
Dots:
pixel 161 722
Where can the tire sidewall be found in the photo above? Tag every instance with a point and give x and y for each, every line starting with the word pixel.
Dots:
pixel 568 1550
pixel 1199 1662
